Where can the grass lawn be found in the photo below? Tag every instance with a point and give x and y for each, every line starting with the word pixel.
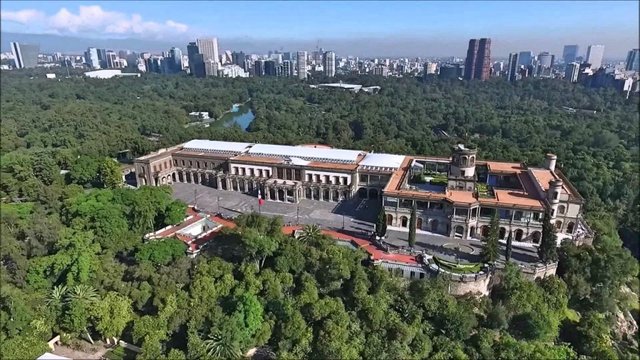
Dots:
pixel 120 353
pixel 466 268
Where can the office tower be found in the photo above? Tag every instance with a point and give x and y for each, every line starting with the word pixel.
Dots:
pixel 258 68
pixel 430 68
pixel 329 64
pixel 25 55
pixel 91 58
pixel 498 68
pixel 477 64
pixel 514 67
pixel 111 58
pixel 569 53
pixel 571 72
pixel 238 58
pixel 227 57
pixel 270 68
pixel 288 56
pixel 595 54
pixel 525 58
pixel 208 47
pixel 544 64
pixel 196 60
pixel 381 69
pixel 287 69
pixel 302 65
pixel 102 58
pixel 211 67
pixel 174 60
pixel 633 60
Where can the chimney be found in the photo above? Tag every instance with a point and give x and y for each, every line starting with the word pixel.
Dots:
pixel 550 162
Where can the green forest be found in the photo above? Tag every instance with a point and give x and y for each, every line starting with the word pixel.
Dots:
pixel 74 263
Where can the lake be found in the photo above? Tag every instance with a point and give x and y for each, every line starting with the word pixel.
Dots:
pixel 240 114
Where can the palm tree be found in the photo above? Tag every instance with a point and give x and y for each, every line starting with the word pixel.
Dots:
pixel 57 296
pixel 220 347
pixel 310 233
pixel 83 293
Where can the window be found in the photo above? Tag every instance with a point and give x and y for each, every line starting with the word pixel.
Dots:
pixel 182 162
pixel 175 162
pixel 198 164
pixel 421 275
pixel 561 209
pixel 558 224
pixel 412 275
pixel 363 178
pixel 555 195
pixel 536 216
pixel 474 213
pixel 570 227
pixel 309 178
pixel 326 179
pixel 344 180
pixel 335 180
pixel 190 163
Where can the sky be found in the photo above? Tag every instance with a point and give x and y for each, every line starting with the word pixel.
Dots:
pixel 435 28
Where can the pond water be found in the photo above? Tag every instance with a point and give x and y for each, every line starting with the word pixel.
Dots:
pixel 240 114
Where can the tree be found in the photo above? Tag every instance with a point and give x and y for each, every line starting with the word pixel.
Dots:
pixel 79 306
pixel 490 251
pixel 381 224
pixel 161 251
pixel 84 171
pixel 109 174
pixel 258 246
pixel 547 250
pixel 310 233
pixel 112 313
pixel 220 347
pixel 412 226
pixel 509 246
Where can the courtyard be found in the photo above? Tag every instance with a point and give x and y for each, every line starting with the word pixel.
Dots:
pixel 354 216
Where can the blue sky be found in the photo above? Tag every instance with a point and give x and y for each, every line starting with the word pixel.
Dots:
pixel 614 24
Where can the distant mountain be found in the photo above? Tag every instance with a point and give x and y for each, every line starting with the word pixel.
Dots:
pixel 77 45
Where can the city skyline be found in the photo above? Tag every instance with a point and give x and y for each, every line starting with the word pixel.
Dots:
pixel 412 29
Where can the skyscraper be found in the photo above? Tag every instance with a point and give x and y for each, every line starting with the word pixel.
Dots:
pixel 208 47
pixel 25 55
pixel 270 68
pixel 545 63
pixel 258 68
pixel 595 54
pixel 571 72
pixel 91 58
pixel 111 58
pixel 238 58
pixel 175 60
pixel 478 62
pixel 525 58
pixel 196 60
pixel 287 69
pixel 514 67
pixel 302 65
pixel 569 53
pixel 633 60
pixel 329 64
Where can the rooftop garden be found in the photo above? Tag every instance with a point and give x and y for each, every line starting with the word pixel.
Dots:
pixel 484 190
pixel 430 177
pixel 466 268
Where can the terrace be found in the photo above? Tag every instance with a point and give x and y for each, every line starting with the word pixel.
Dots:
pixel 429 181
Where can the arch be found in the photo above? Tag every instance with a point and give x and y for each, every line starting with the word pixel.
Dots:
pixel 234 185
pixel 163 181
pixel 419 223
pixel 519 234
pixel 561 209
pixel 434 225
pixel 308 193
pixel 336 195
pixel 558 225
pixel 281 195
pixel 464 161
pixel 181 177
pixel 472 160
pixel 325 194
pixel 404 221
pixel 362 193
pixel 373 193
pixel 536 236
pixel 459 231
pixel 174 177
pixel 203 178
pixel 196 178
pixel 472 231
pixel 484 231
pixel 570 227
pixel 389 220
pixel 502 233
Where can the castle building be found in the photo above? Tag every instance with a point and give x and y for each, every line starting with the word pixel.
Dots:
pixel 455 196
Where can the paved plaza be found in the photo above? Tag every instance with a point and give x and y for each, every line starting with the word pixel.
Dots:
pixel 354 216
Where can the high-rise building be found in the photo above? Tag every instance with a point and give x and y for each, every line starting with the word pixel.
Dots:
pixel 430 68
pixel 287 69
pixel 545 63
pixel 258 68
pixel 196 60
pixel 514 67
pixel 211 67
pixel 25 55
pixel 525 58
pixel 302 65
pixel 381 70
pixel 498 68
pixel 633 60
pixel 595 54
pixel 102 57
pixel 238 58
pixel 478 62
pixel 208 47
pixel 571 72
pixel 329 64
pixel 569 53
pixel 111 59
pixel 270 68
pixel 91 58
pixel 174 60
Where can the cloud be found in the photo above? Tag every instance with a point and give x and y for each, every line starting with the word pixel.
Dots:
pixel 95 21
pixel 22 16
